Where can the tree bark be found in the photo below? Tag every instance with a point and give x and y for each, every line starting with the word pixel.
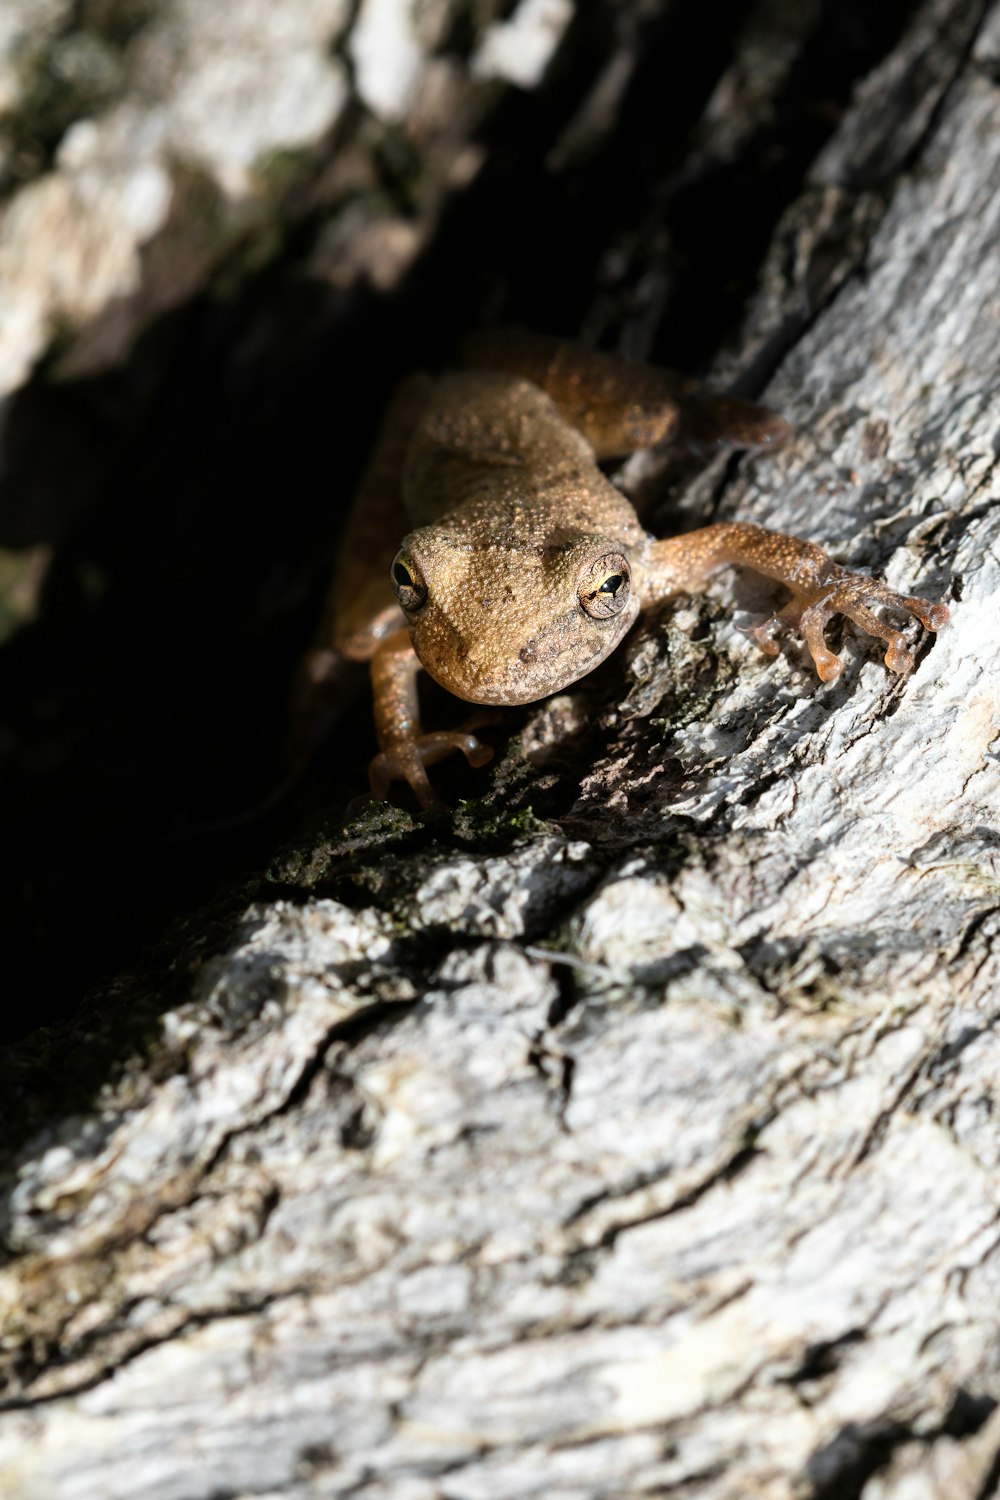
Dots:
pixel 633 1129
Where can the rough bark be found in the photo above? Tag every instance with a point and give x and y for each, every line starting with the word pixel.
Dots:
pixel 632 1130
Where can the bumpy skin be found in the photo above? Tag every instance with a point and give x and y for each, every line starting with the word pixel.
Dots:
pixel 523 566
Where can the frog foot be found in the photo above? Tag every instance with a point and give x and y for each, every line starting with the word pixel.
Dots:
pixel 849 594
pixel 405 761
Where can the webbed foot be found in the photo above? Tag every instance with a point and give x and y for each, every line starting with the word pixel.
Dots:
pixel 406 760
pixel 850 594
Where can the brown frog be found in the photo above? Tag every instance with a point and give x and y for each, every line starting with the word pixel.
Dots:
pixel 521 566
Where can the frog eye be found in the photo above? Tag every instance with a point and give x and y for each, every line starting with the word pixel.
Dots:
pixel 604 587
pixel 410 589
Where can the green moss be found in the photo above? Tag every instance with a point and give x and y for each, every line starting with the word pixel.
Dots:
pixel 481 820
pixel 374 830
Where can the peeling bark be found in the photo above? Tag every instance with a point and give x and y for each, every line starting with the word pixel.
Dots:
pixel 633 1129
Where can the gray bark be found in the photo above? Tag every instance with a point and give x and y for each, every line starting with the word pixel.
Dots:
pixel 650 1151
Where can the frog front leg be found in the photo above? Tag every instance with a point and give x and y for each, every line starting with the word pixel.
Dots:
pixel 363 623
pixel 405 749
pixel 820 588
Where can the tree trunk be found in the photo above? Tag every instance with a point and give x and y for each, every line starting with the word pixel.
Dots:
pixel 632 1129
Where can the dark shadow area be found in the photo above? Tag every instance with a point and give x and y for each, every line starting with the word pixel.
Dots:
pixel 192 500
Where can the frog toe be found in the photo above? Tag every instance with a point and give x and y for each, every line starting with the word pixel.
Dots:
pixel 851 595
pixel 406 761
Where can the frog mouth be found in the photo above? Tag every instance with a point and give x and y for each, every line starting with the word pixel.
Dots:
pixel 540 666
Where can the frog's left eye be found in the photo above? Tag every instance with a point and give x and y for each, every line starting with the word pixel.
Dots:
pixel 604 587
pixel 410 589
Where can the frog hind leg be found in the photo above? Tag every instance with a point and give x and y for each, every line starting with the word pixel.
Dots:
pixel 619 405
pixel 359 610
pixel 820 588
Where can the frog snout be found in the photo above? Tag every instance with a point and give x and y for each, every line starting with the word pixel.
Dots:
pixel 513 671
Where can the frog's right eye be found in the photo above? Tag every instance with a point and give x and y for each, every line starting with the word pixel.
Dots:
pixel 409 587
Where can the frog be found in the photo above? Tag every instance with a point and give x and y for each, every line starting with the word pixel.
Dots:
pixel 488 548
